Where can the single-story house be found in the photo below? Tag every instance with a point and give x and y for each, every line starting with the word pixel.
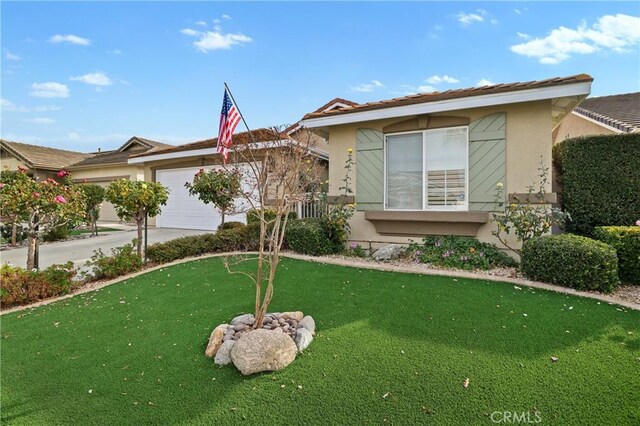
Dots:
pixel 104 167
pixel 603 115
pixel 41 162
pixel 175 166
pixel 429 164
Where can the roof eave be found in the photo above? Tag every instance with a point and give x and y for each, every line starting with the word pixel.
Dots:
pixel 527 95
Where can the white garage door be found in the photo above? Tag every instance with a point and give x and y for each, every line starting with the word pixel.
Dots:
pixel 183 210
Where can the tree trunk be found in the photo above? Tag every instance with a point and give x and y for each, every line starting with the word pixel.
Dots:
pixel 14 234
pixel 94 222
pixel 140 222
pixel 222 212
pixel 31 251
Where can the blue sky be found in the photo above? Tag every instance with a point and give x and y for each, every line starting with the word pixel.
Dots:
pixel 83 75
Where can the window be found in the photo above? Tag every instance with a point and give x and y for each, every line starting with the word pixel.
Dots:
pixel 427 170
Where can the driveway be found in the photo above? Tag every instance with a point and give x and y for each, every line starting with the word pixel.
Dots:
pixel 79 251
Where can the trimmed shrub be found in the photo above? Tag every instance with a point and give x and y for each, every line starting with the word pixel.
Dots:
pixel 310 236
pixel 6 230
pixel 123 260
pixel 571 261
pixel 453 251
pixel 230 225
pixel 600 177
pixel 269 214
pixel 626 241
pixel 20 286
pixel 57 233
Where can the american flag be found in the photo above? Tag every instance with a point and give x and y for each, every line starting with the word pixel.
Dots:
pixel 229 119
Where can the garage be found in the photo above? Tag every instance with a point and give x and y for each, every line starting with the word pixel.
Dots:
pixel 183 210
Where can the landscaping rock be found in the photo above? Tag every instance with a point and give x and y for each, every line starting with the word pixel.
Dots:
pixel 263 350
pixel 239 327
pixel 303 339
pixel 215 340
pixel 247 319
pixel 292 315
pixel 388 252
pixel 223 356
pixel 309 324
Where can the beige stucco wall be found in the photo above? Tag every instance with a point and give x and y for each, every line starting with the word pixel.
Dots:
pixel 528 138
pixel 573 126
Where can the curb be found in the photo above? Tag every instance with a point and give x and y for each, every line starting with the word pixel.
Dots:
pixel 348 263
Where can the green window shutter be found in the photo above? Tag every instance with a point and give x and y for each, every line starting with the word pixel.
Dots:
pixel 369 170
pixel 487 160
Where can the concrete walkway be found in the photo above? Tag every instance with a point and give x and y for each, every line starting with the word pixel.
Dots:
pixel 79 251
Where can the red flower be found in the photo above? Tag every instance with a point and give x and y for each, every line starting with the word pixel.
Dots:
pixel 22 169
pixel 63 173
pixel 36 195
pixel 60 199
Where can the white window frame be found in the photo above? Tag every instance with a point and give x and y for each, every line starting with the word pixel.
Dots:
pixel 425 185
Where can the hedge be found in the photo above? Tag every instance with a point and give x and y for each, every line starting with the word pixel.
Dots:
pixel 600 180
pixel 20 286
pixel 241 238
pixel 626 241
pixel 571 261
pixel 310 236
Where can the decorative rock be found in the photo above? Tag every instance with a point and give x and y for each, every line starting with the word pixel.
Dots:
pixel 215 340
pixel 247 319
pixel 293 315
pixel 388 252
pixel 309 324
pixel 227 337
pixel 303 339
pixel 239 327
pixel 223 356
pixel 262 350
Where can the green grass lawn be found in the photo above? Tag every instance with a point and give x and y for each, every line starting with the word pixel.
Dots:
pixel 133 353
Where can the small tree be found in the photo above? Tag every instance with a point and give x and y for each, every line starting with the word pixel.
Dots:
pixel 12 213
pixel 93 198
pixel 217 187
pixel 134 200
pixel 528 218
pixel 278 175
pixel 41 205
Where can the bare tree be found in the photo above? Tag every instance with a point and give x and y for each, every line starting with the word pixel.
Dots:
pixel 278 172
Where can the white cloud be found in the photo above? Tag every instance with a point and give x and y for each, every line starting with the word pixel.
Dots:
pixel 74 136
pixel 49 89
pixel 426 89
pixel 12 57
pixel 94 78
pixel 484 82
pixel 523 35
pixel 216 40
pixel 494 22
pixel 71 39
pixel 40 120
pixel 46 108
pixel 115 52
pixel 469 18
pixel 611 32
pixel 436 79
pixel 225 16
pixel 368 87
pixel 201 23
pixel 7 106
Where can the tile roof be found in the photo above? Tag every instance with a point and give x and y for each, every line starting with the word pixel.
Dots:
pixel 619 111
pixel 451 94
pixel 259 135
pixel 120 157
pixel 43 157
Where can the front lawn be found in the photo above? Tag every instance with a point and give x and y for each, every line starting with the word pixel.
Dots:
pixel 391 347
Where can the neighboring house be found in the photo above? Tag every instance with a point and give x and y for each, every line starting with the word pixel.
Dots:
pixel 175 166
pixel 604 115
pixel 428 164
pixel 41 162
pixel 102 168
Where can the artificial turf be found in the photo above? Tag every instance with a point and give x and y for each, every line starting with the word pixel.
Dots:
pixel 391 347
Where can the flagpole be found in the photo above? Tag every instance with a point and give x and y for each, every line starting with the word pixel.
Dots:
pixel 239 112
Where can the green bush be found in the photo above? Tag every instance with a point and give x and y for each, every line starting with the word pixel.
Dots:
pixel 626 241
pixel 269 214
pixel 230 225
pixel 600 180
pixel 20 286
pixel 6 231
pixel 310 236
pixel 571 261
pixel 57 233
pixel 453 251
pixel 242 238
pixel 123 260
